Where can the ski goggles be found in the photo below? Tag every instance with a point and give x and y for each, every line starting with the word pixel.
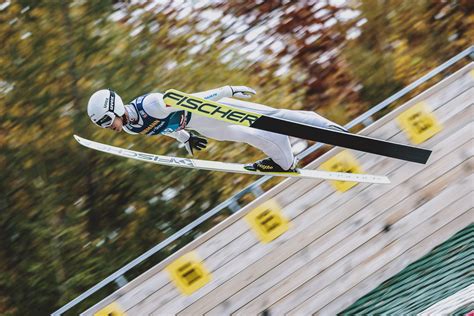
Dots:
pixel 109 116
pixel 106 120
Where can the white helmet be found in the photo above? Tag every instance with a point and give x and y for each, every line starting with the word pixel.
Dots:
pixel 104 105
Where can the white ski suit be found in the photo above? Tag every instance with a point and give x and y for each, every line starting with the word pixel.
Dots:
pixel 151 110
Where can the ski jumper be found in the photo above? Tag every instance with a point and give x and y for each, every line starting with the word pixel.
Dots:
pixel 149 115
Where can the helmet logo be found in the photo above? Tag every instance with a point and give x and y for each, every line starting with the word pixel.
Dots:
pixel 112 101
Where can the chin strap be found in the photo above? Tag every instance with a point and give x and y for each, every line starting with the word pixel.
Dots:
pixel 124 119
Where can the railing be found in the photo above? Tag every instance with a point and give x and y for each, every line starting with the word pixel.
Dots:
pixel 255 188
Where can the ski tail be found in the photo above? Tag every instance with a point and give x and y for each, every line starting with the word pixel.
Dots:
pixel 344 139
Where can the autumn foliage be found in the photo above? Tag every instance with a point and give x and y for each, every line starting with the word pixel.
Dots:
pixel 70 216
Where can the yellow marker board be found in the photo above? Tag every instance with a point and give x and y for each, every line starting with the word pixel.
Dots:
pixel 342 162
pixel 267 221
pixel 110 310
pixel 419 123
pixel 188 273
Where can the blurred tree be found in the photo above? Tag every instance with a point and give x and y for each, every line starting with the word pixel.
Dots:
pixel 396 42
pixel 305 38
pixel 63 207
pixel 41 94
pixel 348 56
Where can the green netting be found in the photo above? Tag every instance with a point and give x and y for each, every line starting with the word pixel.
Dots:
pixel 464 310
pixel 447 269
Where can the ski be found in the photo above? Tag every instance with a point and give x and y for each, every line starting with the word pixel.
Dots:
pixel 215 110
pixel 227 167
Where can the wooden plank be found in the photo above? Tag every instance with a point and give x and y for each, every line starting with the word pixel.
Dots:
pixel 286 197
pixel 330 286
pixel 456 120
pixel 416 252
pixel 444 113
pixel 441 92
pixel 451 112
pixel 286 277
pixel 384 200
pixel 315 195
pixel 236 247
pixel 162 297
pixel 445 95
pixel 299 242
pixel 280 279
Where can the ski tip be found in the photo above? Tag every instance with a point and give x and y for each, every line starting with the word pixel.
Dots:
pixel 80 140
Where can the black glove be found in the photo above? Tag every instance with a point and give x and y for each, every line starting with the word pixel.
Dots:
pixel 195 142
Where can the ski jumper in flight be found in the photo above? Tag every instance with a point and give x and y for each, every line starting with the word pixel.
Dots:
pixel 149 115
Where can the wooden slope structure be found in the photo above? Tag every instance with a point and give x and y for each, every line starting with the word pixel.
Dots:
pixel 324 249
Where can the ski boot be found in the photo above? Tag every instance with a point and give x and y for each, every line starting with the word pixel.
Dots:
pixel 267 165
